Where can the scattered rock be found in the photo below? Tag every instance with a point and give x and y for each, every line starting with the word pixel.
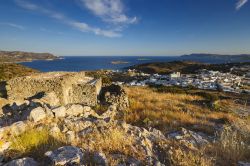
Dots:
pixel 70 136
pixel 59 112
pixel 18 128
pixel 189 138
pixel 22 162
pixel 66 155
pixel 37 114
pixel 51 99
pixel 75 110
pixel 54 130
pixel 241 163
pixel 100 159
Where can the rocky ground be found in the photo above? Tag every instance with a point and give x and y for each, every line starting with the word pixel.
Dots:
pixel 42 132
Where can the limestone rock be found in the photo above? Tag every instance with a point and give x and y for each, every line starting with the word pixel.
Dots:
pixel 189 138
pixel 100 159
pixel 54 130
pixel 75 110
pixel 51 99
pixel 37 114
pixel 59 112
pixel 70 136
pixel 77 123
pixel 241 163
pixel 22 162
pixel 18 128
pixel 66 155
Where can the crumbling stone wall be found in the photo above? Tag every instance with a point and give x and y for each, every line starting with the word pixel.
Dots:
pixel 69 87
pixel 115 95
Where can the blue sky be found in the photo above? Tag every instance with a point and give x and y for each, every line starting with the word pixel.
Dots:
pixel 125 27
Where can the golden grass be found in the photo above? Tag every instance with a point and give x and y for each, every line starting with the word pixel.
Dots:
pixel 180 157
pixel 113 141
pixel 168 111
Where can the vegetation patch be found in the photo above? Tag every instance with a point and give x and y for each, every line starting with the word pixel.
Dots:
pixel 11 70
pixel 34 142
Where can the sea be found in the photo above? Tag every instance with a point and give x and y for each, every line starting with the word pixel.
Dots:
pixel 90 63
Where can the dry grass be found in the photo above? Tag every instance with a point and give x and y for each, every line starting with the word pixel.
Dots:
pixel 180 157
pixel 232 147
pixel 167 111
pixel 113 141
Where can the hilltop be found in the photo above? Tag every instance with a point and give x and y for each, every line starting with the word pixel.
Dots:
pixel 186 67
pixel 19 56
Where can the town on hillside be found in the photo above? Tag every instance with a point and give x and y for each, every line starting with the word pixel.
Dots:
pixel 204 79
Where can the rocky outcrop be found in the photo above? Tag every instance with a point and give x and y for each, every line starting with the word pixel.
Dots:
pixel 190 138
pixel 67 155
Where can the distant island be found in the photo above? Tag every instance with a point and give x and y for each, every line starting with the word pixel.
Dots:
pixel 19 56
pixel 119 62
pixel 143 59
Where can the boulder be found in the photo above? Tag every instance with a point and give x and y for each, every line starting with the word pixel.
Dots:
pixel 59 112
pixel 51 99
pixel 66 155
pixel 18 128
pixel 37 114
pixel 22 162
pixel 75 110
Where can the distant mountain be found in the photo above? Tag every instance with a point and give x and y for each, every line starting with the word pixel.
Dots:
pixel 19 56
pixel 217 58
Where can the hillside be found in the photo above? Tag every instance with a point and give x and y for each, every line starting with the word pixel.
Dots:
pixel 217 58
pixel 8 71
pixel 186 67
pixel 19 56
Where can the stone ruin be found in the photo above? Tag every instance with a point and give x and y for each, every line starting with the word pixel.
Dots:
pixel 69 87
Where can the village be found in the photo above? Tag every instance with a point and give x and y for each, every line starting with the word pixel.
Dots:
pixel 204 79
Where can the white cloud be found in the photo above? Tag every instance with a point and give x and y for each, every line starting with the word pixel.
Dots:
pixel 12 25
pixel 240 4
pixel 81 26
pixel 111 11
